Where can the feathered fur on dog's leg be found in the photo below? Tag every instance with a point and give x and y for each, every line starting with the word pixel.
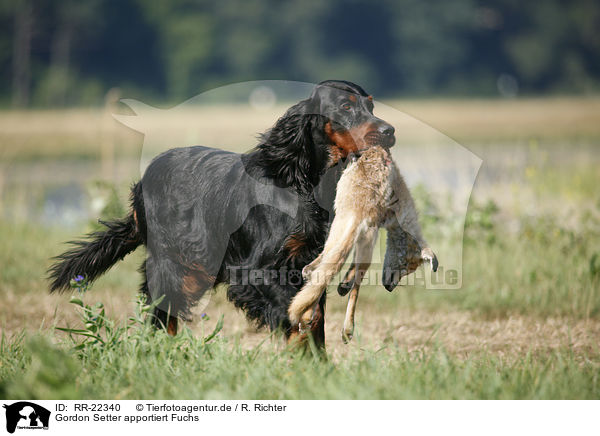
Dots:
pixel 337 248
pixel 362 261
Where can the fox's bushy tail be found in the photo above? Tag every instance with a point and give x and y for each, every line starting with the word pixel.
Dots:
pixel 96 254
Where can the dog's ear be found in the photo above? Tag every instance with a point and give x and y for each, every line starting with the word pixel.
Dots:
pixel 293 150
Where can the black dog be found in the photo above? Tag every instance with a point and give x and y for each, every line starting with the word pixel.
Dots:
pixel 252 221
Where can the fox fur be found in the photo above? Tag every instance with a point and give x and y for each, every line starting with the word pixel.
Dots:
pixel 370 194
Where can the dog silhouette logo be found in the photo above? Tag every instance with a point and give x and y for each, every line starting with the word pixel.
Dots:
pixel 26 415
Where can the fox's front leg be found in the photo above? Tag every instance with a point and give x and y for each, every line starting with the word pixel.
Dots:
pixel 311 267
pixel 339 243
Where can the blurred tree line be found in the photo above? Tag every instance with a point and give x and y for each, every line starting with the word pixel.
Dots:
pixel 70 52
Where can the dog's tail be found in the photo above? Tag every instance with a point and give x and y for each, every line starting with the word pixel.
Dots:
pixel 97 253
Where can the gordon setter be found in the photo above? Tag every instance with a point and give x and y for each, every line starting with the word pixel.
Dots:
pixel 251 221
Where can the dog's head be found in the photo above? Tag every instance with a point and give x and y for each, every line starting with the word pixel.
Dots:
pixel 316 133
pixel 350 125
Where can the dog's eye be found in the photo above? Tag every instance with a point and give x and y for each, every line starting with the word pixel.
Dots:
pixel 346 106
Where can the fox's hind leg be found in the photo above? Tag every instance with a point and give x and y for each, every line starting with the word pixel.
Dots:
pixel 362 261
pixel 347 282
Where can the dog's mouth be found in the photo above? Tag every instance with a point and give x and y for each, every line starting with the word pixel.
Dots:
pixel 374 138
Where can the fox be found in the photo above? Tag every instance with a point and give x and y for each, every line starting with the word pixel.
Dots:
pixel 371 194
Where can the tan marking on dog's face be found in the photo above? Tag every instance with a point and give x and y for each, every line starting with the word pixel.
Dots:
pixel 354 140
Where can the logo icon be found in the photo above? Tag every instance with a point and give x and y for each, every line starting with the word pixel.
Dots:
pixel 26 415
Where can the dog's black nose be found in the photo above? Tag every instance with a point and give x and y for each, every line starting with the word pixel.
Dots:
pixel 386 129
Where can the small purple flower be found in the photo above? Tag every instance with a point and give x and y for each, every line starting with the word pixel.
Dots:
pixel 204 315
pixel 80 283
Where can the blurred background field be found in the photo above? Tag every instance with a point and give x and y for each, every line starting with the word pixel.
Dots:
pixel 515 84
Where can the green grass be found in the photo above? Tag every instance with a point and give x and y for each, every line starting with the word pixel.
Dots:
pixel 149 364
pixel 141 363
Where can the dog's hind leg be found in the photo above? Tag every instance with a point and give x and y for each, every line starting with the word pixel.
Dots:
pixel 180 285
pixel 362 261
pixel 160 318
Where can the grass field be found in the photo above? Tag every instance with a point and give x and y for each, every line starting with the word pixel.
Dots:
pixel 526 323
